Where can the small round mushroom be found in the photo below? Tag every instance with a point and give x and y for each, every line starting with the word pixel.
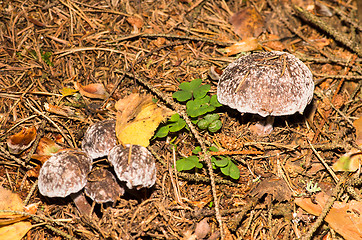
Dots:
pixel 102 186
pixel 65 173
pixel 268 84
pixel 100 138
pixel 133 164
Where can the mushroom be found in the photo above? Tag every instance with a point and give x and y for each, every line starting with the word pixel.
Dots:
pixel 133 164
pixel 100 138
pixel 65 173
pixel 102 186
pixel 266 83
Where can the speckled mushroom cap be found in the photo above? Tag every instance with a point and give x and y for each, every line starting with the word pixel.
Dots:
pixel 102 186
pixel 100 138
pixel 64 173
pixel 140 171
pixel 266 83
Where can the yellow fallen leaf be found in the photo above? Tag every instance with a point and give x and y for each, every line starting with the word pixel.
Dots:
pixel 137 119
pixel 15 231
pixel 67 91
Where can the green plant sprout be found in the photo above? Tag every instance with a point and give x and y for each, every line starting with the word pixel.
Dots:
pixel 197 106
pixel 225 164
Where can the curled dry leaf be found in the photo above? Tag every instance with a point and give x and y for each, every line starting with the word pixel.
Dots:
pixel 46 147
pixel 21 140
pixel 247 22
pixel 349 162
pixel 136 22
pixel 137 119
pixel 94 90
pixel 344 218
pixel 63 111
pixel 246 45
pixel 358 126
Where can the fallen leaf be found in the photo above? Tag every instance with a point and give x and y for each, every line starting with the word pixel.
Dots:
pixel 94 90
pixel 344 218
pixel 357 124
pixel 202 229
pixel 349 162
pixel 136 22
pixel 15 231
pixel 47 146
pixel 67 91
pixel 11 225
pixel 274 186
pixel 273 43
pixel 9 201
pixel 246 45
pixel 21 140
pixel 137 119
pixel 247 22
pixel 63 111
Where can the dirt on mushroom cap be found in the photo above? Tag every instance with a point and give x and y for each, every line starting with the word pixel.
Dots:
pixel 266 83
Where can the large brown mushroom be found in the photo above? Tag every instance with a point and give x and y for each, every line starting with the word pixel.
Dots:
pixel 268 84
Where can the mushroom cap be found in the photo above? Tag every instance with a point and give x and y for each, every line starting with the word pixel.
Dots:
pixel 140 171
pixel 100 138
pixel 102 186
pixel 64 173
pixel 266 83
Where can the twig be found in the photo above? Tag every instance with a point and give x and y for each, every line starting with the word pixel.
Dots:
pixel 329 169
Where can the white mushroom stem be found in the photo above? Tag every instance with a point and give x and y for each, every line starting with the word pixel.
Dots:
pixel 263 128
pixel 81 203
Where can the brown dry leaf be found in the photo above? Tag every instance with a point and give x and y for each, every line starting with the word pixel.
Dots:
pixel 47 146
pixel 21 140
pixel 274 186
pixel 357 124
pixel 246 45
pixel 344 218
pixel 273 43
pixel 247 23
pixel 63 111
pixel 136 22
pixel 94 90
pixel 137 119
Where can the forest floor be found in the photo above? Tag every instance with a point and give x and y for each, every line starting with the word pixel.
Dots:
pixel 150 47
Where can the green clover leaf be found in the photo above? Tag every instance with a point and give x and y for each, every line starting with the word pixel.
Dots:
pixel 185 164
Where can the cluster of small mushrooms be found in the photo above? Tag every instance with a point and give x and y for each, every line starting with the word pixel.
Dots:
pixel 268 84
pixel 70 171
